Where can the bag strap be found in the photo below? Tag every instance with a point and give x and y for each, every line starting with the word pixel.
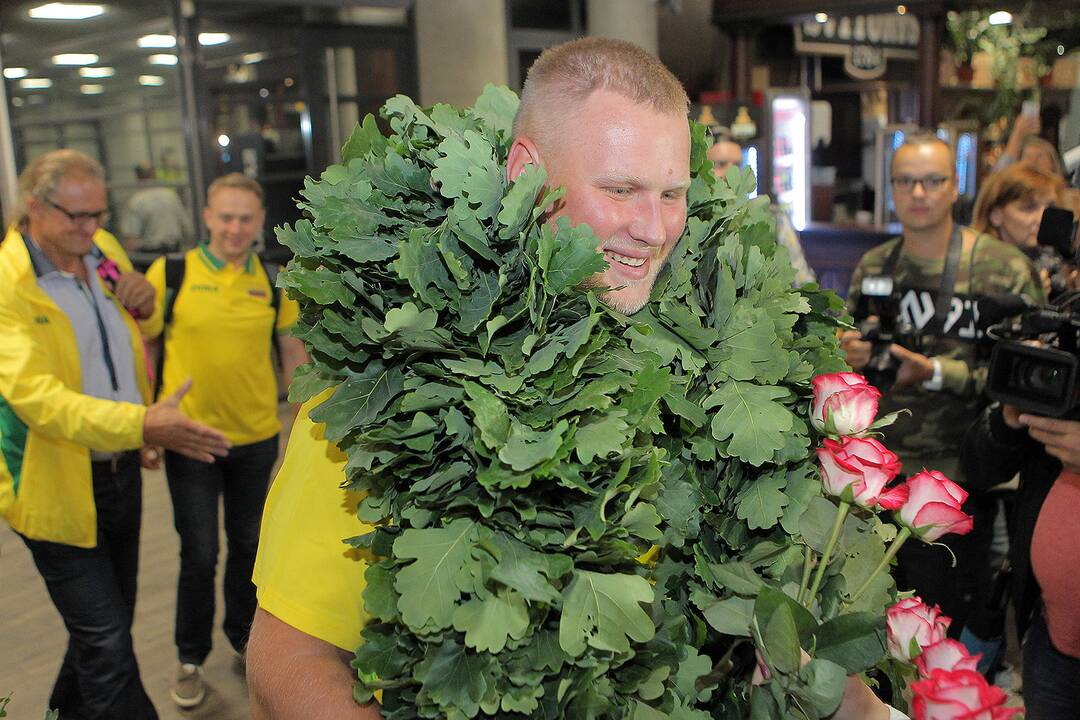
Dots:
pixel 271 270
pixel 948 282
pixel 175 266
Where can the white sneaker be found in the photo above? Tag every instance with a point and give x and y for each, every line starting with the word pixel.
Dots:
pixel 189 689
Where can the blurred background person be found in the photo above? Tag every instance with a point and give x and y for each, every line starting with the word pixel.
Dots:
pixel 1010 207
pixel 154 220
pixel 73 387
pixel 220 318
pixel 724 153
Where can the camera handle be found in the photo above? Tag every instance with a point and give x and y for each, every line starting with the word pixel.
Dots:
pixel 948 279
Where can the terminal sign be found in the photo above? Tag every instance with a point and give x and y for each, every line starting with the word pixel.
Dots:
pixel 864 41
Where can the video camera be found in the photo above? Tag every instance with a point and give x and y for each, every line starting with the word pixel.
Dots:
pixel 1034 365
pixel 882 324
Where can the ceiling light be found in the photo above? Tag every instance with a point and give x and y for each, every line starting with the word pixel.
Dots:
pixel 151 80
pixel 821 17
pixel 14 73
pixel 162 59
pixel 252 58
pixel 223 140
pixel 66 11
pixel 214 38
pixel 157 41
pixel 1001 17
pixel 75 59
pixel 97 72
pixel 1060 51
pixel 91 89
pixel 35 83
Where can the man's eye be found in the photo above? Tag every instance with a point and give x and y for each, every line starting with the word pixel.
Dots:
pixel 619 191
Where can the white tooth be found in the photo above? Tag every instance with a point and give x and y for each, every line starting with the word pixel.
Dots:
pixel 624 260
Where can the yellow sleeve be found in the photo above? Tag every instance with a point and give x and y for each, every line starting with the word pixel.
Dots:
pixel 155 274
pixel 50 407
pixel 305 575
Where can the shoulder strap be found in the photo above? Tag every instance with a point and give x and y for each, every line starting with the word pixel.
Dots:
pixel 948 281
pixel 175 265
pixel 271 270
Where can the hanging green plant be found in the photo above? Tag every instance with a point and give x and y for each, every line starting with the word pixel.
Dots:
pixel 579 514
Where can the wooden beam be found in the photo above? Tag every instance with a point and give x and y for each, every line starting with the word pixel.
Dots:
pixel 931 30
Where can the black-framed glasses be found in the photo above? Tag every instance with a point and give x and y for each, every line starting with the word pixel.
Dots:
pixel 929 183
pixel 99 218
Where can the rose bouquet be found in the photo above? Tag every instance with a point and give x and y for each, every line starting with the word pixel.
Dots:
pixel 581 514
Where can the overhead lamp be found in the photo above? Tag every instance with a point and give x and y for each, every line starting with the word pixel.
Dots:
pixel 223 140
pixel 252 58
pixel 91 89
pixel 75 59
pixel 151 80
pixel 35 83
pixel 97 72
pixel 214 38
pixel 157 41
pixel 821 17
pixel 14 73
pixel 1001 17
pixel 162 59
pixel 66 11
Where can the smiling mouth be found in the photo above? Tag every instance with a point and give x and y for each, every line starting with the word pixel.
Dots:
pixel 614 257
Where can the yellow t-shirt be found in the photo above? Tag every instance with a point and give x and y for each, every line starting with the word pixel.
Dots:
pixel 220 338
pixel 305 575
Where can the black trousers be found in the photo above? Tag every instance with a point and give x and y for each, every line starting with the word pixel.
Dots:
pixel 94 591
pixel 242 479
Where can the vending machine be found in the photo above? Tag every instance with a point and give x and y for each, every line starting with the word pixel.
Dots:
pixel 785 152
pixel 888 140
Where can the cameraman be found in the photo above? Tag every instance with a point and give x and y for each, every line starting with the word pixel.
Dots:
pixel 937 270
pixel 1045 545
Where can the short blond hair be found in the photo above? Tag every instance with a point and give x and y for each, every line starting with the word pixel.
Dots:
pixel 235 180
pixel 564 76
pixel 44 174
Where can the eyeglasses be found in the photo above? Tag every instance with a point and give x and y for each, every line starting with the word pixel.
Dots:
pixel 98 218
pixel 929 184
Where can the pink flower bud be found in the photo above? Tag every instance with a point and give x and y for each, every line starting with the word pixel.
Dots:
pixel 845 404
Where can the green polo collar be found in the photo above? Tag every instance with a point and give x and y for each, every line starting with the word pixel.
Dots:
pixel 215 263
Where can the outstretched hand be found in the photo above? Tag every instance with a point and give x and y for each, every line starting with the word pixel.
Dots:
pixel 166 426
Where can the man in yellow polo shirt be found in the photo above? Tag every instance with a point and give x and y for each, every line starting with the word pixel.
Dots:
pixel 221 319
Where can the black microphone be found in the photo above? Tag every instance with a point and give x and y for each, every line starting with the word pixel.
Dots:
pixel 995 308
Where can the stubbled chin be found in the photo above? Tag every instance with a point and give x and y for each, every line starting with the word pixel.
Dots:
pixel 626 301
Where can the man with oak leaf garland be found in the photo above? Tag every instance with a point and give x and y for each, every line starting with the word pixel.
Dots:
pixel 608 123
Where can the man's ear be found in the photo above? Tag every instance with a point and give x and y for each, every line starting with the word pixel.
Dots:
pixel 523 152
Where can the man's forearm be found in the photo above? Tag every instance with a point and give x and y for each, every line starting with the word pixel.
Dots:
pixel 292 676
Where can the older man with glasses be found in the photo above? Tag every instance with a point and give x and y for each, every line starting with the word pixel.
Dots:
pixel 936 270
pixel 73 414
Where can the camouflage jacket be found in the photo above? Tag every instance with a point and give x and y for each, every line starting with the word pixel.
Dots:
pixel 932 434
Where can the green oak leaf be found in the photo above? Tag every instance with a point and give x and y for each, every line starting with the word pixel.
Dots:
pixel 750 419
pixel 455 678
pixel 488 623
pixel 430 587
pixel 762 503
pixel 603 611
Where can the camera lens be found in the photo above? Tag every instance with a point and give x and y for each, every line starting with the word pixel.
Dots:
pixel 1039 378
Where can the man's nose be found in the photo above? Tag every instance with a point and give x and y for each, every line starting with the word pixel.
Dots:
pixel 648 224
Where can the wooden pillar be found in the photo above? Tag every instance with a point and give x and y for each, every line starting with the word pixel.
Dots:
pixel 931 29
pixel 742 62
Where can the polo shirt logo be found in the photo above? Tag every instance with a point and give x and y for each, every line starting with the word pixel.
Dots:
pixel 41 319
pixel 257 293
pixel 203 288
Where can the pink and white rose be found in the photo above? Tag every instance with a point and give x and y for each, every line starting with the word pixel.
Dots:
pixel 933 507
pixel 845 404
pixel 959 695
pixel 911 626
pixel 857 470
pixel 945 655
